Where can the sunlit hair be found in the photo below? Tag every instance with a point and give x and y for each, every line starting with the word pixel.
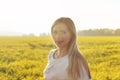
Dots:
pixel 76 60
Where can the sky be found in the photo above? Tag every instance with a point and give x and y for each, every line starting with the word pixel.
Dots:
pixel 37 16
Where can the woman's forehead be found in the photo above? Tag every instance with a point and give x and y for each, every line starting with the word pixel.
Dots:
pixel 60 26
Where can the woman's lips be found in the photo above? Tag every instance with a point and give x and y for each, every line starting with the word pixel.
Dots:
pixel 59 42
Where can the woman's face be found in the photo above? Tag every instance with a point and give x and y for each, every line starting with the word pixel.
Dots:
pixel 61 35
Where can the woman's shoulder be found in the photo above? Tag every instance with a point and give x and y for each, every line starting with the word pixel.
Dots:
pixel 53 50
pixel 51 54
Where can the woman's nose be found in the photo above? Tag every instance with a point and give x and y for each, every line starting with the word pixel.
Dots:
pixel 58 36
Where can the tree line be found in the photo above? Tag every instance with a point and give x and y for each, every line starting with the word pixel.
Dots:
pixel 99 32
pixel 90 32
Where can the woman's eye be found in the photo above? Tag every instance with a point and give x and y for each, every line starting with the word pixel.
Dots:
pixel 54 32
pixel 64 32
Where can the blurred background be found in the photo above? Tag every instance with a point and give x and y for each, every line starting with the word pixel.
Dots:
pixel 35 17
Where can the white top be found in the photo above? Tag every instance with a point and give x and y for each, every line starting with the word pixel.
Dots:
pixel 56 68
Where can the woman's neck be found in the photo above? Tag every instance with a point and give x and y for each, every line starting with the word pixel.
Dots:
pixel 62 51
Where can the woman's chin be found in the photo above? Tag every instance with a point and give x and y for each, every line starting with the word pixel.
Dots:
pixel 60 46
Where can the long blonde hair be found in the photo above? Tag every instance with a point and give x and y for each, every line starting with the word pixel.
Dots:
pixel 76 60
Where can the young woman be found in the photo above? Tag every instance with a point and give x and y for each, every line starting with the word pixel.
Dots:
pixel 66 62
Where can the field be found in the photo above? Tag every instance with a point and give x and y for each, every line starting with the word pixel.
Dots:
pixel 24 58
